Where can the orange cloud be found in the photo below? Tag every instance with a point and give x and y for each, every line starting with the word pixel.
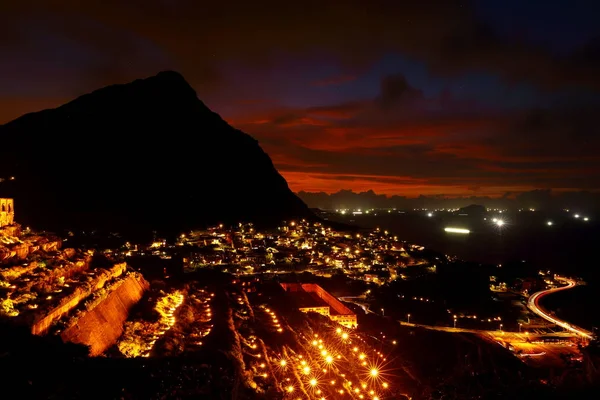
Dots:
pixel 388 185
pixel 340 111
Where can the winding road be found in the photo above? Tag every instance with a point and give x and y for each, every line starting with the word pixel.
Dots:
pixel 533 305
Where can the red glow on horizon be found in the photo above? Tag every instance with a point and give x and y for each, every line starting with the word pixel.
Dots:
pixel 387 185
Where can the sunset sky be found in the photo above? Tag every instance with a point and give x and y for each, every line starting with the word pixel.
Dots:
pixel 401 97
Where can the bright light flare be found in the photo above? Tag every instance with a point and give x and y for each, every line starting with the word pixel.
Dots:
pixel 457 230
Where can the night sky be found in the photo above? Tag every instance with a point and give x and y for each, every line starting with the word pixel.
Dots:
pixel 426 97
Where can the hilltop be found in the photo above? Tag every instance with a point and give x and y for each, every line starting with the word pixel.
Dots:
pixel 147 155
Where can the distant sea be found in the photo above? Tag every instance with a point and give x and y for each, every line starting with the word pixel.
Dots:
pixel 569 246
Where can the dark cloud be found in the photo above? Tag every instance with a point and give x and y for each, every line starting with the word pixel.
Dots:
pixel 335 80
pixel 199 36
pixel 395 91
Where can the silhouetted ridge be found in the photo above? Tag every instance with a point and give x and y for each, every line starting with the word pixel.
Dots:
pixel 148 154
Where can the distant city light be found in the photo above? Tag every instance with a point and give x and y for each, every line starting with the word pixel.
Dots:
pixel 586 219
pixel 576 215
pixel 430 214
pixel 499 222
pixel 457 230
pixel 550 223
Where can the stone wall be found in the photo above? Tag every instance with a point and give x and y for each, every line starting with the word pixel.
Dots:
pixel 11 230
pixel 100 327
pixel 22 249
pixel 42 324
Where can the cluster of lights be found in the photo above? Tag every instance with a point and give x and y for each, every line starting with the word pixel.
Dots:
pixel 326 368
pixel 275 320
pixel 330 354
pixel 498 221
pixel 577 216
pixel 421 299
pixel 206 315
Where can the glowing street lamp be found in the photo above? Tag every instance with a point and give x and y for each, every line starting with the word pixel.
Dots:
pixel 455 321
pixel 408 318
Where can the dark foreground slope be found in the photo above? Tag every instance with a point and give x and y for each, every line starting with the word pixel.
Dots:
pixel 144 155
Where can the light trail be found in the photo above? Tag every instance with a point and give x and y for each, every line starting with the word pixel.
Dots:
pixel 533 354
pixel 533 305
pixel 457 230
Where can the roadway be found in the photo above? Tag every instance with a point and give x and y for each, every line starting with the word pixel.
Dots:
pixel 534 305
pixel 352 300
pixel 366 309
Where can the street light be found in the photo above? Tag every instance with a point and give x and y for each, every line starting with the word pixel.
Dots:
pixel 520 325
pixel 455 321
pixel 500 327
pixel 408 318
pixel 383 312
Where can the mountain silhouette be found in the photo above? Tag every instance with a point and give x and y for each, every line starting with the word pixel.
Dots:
pixel 143 155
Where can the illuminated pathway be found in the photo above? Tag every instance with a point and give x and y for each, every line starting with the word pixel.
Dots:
pixel 166 308
pixel 533 305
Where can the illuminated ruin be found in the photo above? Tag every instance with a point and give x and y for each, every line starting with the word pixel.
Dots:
pixel 313 298
pixel 7 212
